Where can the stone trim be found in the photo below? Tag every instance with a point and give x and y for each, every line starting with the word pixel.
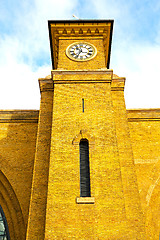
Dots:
pixel 19 116
pixel 46 84
pixel 85 200
pixel 84 76
pixel 118 84
pixel 136 115
pixel 83 134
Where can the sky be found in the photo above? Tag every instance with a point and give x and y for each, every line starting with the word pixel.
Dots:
pixel 25 50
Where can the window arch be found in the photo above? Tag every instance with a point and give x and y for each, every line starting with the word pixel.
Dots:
pixel 84 168
pixel 4 232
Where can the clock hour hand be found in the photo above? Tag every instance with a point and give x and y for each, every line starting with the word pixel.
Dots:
pixel 80 50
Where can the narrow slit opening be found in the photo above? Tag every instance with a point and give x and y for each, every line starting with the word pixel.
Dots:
pixel 84 168
pixel 82 104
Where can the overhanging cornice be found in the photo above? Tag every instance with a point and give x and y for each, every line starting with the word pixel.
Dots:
pixel 80 28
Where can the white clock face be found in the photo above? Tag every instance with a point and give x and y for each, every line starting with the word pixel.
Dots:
pixel 81 51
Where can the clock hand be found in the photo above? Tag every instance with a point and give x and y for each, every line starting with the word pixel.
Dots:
pixel 80 50
pixel 83 52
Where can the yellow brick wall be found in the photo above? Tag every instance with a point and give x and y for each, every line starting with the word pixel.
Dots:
pixel 111 216
pixel 18 130
pixel 66 219
pixel 40 178
pixel 145 139
pixel 113 178
pixel 39 152
pixel 37 209
pixel 96 63
pixel 128 173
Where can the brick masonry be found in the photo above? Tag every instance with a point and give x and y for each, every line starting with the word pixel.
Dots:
pixel 39 177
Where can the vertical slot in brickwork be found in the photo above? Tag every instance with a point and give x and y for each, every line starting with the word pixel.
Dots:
pixel 82 104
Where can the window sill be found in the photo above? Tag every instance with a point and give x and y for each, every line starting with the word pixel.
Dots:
pixel 85 200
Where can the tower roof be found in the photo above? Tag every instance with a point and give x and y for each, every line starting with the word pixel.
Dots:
pixel 80 28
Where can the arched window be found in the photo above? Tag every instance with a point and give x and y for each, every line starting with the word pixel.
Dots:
pixel 84 168
pixel 4 232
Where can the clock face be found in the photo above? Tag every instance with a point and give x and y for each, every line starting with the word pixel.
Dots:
pixel 81 51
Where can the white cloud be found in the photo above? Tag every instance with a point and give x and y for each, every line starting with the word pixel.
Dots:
pixel 140 65
pixel 135 49
pixel 24 47
pixel 25 50
pixel 19 84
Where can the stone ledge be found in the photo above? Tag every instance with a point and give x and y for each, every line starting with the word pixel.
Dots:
pixel 45 84
pixel 85 200
pixel 136 115
pixel 30 116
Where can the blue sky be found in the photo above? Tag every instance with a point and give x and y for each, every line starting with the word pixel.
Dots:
pixel 25 51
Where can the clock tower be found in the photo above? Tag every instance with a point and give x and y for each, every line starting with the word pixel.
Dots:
pixel 84 183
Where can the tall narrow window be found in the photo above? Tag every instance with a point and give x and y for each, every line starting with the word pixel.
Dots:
pixel 4 232
pixel 84 168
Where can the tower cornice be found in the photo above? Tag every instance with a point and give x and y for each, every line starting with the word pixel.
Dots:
pixel 82 76
pixel 80 29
